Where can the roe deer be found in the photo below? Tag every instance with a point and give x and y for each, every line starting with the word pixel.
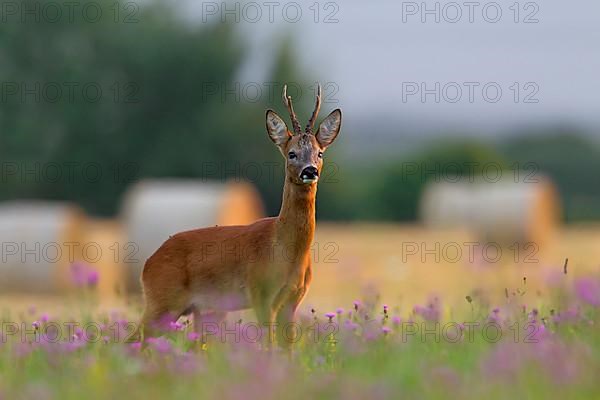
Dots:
pixel 265 265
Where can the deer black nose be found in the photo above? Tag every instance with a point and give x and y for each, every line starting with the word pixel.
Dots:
pixel 310 173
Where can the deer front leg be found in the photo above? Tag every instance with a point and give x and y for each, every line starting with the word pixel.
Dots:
pixel 265 314
pixel 286 305
pixel 287 302
pixel 266 320
pixel 286 327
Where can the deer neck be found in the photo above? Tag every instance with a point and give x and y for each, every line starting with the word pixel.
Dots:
pixel 296 220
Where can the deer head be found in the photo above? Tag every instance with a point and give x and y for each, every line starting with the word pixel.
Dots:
pixel 303 151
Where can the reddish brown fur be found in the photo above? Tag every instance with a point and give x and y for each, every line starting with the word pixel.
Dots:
pixel 265 265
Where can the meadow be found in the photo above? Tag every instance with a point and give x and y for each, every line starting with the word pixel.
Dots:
pixel 384 319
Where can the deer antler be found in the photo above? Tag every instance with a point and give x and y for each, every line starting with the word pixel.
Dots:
pixel 313 118
pixel 287 101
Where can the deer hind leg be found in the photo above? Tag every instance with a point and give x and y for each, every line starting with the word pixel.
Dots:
pixel 163 306
pixel 153 319
pixel 166 296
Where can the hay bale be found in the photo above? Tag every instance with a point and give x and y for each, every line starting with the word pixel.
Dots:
pixel 37 241
pixel 505 212
pixel 155 209
pixel 108 237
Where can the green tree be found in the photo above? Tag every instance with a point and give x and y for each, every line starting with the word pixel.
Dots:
pixel 161 111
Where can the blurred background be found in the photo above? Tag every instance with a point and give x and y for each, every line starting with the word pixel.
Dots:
pixel 468 153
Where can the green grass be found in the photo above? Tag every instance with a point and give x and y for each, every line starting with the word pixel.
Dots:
pixel 371 355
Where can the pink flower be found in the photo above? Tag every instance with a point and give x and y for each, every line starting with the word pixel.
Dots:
pixel 83 275
pixel 92 278
pixel 136 346
pixel 431 312
pixel 175 326
pixel 78 333
pixel 78 273
pixel 351 326
pixel 193 336
pixel 588 290
pixel 569 315
pixel 160 344
pixel 73 346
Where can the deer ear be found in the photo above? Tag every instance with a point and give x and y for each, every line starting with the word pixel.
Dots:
pixel 277 129
pixel 329 128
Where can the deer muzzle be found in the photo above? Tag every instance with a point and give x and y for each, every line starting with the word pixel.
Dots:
pixel 309 175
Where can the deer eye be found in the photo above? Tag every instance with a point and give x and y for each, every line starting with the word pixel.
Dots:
pixel 291 155
pixel 320 154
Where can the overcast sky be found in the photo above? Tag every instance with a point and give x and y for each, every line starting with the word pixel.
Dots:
pixel 379 57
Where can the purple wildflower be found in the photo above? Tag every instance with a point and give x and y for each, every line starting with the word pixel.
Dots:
pixel 78 334
pixel 175 326
pixel 588 290
pixel 70 347
pixel 330 315
pixel 136 346
pixel 78 273
pixel 92 278
pixel 83 275
pixel 351 326
pixel 569 315
pixel 160 344
pixel 429 313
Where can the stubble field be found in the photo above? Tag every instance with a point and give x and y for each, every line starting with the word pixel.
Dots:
pixel 394 311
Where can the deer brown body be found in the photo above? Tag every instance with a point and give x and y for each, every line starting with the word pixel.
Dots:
pixel 265 265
